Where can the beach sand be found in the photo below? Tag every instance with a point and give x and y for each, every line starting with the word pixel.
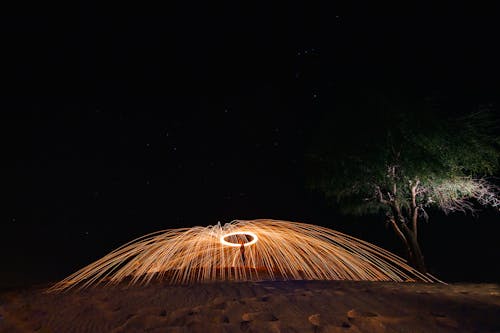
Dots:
pixel 267 306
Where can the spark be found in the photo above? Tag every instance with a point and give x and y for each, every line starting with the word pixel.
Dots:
pixel 274 250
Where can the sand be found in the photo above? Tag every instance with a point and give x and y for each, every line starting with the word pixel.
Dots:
pixel 268 306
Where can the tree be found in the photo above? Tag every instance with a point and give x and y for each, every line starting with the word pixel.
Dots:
pixel 404 164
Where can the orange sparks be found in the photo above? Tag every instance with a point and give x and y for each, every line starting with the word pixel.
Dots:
pixel 272 249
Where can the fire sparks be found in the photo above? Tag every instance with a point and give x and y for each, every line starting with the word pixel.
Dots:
pixel 273 249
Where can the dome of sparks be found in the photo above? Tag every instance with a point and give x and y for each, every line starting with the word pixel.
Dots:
pixel 244 250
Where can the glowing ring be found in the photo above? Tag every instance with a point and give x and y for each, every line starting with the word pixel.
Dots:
pixel 251 234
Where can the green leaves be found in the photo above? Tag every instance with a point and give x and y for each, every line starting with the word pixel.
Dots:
pixel 449 156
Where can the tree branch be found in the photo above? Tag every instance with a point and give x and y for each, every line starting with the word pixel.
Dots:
pixel 397 230
pixel 414 207
pixel 380 196
pixel 455 194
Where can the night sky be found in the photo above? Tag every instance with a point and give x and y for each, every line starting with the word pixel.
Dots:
pixel 123 120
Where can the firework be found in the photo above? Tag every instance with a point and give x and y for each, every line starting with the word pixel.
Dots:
pixel 242 251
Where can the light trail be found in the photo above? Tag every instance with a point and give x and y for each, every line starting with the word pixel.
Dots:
pixel 239 233
pixel 277 250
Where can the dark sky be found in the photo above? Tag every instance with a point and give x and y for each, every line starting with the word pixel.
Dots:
pixel 123 120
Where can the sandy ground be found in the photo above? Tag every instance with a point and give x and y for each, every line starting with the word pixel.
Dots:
pixel 270 306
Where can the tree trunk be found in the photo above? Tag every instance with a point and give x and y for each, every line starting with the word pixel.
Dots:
pixel 408 237
pixel 398 222
pixel 415 255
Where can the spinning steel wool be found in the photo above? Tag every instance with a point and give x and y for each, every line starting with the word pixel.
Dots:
pixel 244 250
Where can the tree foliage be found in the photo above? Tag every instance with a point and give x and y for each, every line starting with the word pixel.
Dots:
pixel 400 163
